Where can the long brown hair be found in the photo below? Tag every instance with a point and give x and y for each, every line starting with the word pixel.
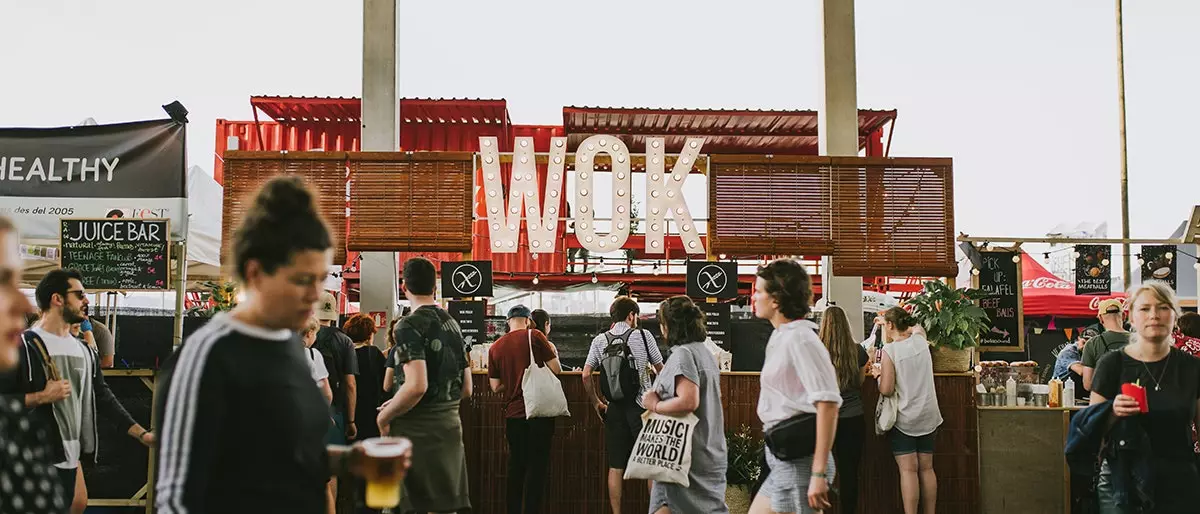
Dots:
pixel 843 351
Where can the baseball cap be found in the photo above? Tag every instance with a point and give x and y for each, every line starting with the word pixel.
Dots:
pixel 1109 306
pixel 326 307
pixel 1088 333
pixel 519 311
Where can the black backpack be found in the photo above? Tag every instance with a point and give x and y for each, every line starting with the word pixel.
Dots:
pixel 620 379
pixel 326 344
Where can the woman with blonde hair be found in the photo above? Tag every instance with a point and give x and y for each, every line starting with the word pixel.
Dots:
pixel 1171 379
pixel 906 372
pixel 849 361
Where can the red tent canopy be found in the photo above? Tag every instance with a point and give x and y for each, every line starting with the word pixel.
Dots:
pixel 1048 295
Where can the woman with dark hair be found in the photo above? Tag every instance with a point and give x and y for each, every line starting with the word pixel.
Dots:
pixel 541 321
pixel 849 361
pixel 389 375
pixel 797 378
pixel 238 399
pixel 361 329
pixel 906 371
pixel 690 383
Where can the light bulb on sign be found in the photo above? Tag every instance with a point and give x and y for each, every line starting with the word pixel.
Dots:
pixel 1104 262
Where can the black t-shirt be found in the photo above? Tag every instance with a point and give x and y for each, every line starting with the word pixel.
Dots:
pixel 243 424
pixel 1172 409
pixel 370 389
pixel 338 345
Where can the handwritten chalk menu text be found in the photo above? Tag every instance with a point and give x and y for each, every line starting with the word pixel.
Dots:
pixel 117 254
pixel 1000 279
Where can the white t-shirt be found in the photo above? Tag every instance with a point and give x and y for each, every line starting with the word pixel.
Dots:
pixel 917 399
pixel 797 373
pixel 317 364
pixel 73 365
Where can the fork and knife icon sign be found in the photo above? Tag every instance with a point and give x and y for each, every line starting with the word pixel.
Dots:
pixel 711 279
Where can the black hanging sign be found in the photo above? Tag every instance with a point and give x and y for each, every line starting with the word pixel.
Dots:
pixel 124 170
pixel 1000 278
pixel 467 279
pixel 1158 263
pixel 1093 269
pixel 718 321
pixel 709 279
pixel 117 254
pixel 471 316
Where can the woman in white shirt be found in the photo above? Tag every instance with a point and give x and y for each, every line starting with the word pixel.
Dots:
pixel 797 378
pixel 906 371
pixel 315 362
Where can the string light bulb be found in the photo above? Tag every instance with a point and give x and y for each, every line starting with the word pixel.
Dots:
pixel 595 279
pixel 659 271
pixel 1074 254
pixel 975 271
pixel 536 279
pixel 1016 258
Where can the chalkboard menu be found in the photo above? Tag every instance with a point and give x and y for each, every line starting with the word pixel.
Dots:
pixel 470 316
pixel 1158 263
pixel 117 253
pixel 1000 278
pixel 1093 269
pixel 717 321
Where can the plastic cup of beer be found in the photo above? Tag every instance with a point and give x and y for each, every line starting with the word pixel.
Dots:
pixel 384 470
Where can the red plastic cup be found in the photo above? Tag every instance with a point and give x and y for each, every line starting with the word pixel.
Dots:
pixel 1138 393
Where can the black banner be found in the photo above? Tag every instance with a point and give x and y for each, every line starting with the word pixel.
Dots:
pixel 470 316
pixel 1000 278
pixel 718 321
pixel 114 254
pixel 127 170
pixel 1158 263
pixel 709 279
pixel 467 279
pixel 1093 269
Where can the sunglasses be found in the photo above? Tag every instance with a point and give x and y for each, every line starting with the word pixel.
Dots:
pixel 79 293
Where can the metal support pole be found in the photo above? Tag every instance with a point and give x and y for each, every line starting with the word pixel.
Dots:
pixel 1127 269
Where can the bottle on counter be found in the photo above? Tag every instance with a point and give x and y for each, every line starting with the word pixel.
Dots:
pixel 1068 396
pixel 1010 387
pixel 1056 390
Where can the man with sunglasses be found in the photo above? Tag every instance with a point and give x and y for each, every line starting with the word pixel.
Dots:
pixel 63 384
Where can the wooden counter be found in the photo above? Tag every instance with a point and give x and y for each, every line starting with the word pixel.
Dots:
pixel 578 465
pixel 1022 451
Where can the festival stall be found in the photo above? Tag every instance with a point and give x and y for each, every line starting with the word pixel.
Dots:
pixel 464 164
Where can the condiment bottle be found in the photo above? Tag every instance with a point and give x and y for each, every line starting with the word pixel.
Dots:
pixel 1069 393
pixel 1010 387
pixel 1055 393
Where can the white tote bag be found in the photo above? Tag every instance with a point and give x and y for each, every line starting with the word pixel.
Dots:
pixel 663 451
pixel 544 397
pixel 886 412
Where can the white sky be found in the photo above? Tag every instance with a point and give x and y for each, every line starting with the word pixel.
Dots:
pixel 1021 93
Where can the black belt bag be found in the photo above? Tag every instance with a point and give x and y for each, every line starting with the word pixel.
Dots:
pixel 793 438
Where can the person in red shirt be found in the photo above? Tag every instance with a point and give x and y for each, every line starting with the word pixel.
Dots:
pixel 1187 338
pixel 528 439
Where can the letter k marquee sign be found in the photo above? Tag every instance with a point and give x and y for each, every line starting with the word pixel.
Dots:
pixel 664 194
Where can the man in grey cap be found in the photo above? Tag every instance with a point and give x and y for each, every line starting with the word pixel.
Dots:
pixel 528 439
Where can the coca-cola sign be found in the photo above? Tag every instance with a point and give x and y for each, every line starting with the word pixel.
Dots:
pixel 1045 283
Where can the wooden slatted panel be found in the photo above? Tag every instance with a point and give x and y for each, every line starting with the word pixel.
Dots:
pixel 760 205
pixel 324 172
pixel 893 217
pixel 419 202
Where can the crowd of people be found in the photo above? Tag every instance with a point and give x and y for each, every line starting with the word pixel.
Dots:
pixel 266 407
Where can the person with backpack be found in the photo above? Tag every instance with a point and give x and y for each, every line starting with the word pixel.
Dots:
pixel 623 355
pixel 338 351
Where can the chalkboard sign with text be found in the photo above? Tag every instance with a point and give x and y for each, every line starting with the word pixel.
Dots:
pixel 470 316
pixel 120 254
pixel 709 279
pixel 1000 278
pixel 1093 269
pixel 717 320
pixel 466 279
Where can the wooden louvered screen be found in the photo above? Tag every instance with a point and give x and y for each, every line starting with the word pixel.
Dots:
pixel 324 172
pixel 875 216
pixel 418 202
pixel 760 205
pixel 893 217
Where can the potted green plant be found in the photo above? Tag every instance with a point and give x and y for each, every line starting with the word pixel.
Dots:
pixel 952 322
pixel 220 297
pixel 744 449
